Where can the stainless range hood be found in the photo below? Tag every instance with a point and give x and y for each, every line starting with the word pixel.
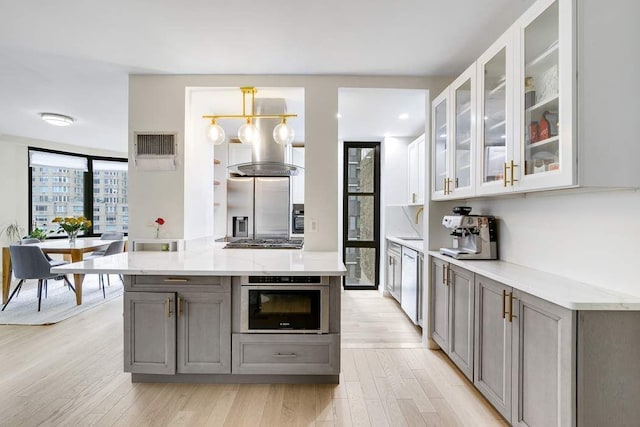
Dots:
pixel 267 157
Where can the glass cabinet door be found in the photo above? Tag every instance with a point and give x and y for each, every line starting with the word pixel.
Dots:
pixel 494 121
pixel 441 146
pixel 540 97
pixel 463 116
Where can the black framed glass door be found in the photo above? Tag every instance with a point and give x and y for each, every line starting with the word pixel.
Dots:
pixel 361 214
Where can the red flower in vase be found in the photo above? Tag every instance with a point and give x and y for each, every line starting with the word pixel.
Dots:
pixel 159 221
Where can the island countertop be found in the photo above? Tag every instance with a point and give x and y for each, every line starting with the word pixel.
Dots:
pixel 214 261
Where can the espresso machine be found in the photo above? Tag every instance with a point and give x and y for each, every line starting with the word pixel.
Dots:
pixel 474 236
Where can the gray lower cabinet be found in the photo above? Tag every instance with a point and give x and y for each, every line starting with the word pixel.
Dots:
pixel 149 333
pixel 493 336
pixel 394 270
pixel 461 319
pixel 439 304
pixel 452 308
pixel 544 344
pixel 177 332
pixel 204 333
pixel 286 354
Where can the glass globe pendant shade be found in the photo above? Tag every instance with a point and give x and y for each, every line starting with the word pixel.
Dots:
pixel 215 133
pixel 248 133
pixel 283 134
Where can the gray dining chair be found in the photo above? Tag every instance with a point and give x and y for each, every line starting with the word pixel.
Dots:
pixel 109 235
pixel 113 248
pixel 29 262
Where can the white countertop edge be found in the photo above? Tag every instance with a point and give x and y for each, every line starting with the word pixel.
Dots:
pixel 213 261
pixel 416 245
pixel 559 290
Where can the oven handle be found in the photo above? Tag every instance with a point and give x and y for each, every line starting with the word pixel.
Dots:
pixel 285 355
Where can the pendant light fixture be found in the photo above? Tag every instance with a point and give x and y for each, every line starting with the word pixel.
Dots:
pixel 215 133
pixel 248 133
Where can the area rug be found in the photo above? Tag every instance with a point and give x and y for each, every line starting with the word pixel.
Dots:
pixel 60 303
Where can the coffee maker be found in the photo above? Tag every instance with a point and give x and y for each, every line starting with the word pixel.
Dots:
pixel 474 236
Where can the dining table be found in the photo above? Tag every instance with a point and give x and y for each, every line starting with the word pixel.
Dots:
pixel 71 251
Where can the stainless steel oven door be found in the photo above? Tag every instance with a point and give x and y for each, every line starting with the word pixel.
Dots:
pixel 284 309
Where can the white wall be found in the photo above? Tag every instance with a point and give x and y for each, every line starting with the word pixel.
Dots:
pixel 157 103
pixel 587 236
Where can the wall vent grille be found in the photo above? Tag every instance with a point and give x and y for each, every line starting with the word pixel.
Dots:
pixel 155 151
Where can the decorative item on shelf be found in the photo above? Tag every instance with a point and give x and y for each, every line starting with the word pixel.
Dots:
pixel 543 129
pixel 533 133
pixel 529 92
pixel 159 222
pixel 552 119
pixel 553 166
pixel 164 247
pixel 283 134
pixel 72 226
pixel 548 83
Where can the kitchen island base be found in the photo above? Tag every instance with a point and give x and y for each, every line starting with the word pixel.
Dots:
pixel 235 379
pixel 188 329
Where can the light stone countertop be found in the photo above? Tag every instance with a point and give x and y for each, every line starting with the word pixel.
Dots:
pixel 416 245
pixel 214 261
pixel 559 290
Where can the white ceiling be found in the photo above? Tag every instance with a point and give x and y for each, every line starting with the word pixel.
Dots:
pixel 73 57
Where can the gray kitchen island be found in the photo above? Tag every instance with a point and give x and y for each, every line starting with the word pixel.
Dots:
pixel 219 315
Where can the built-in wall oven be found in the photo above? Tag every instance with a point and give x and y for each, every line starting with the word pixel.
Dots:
pixel 284 304
pixel 297 219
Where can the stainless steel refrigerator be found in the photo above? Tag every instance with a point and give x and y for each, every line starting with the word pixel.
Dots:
pixel 258 207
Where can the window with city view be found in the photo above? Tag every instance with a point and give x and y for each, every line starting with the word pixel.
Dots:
pixel 67 184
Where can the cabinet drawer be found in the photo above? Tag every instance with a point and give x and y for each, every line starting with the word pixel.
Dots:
pixel 200 283
pixel 286 354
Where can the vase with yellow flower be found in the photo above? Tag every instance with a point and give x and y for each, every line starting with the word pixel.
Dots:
pixel 72 226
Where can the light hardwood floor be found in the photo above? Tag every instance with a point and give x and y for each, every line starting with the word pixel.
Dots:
pixel 71 374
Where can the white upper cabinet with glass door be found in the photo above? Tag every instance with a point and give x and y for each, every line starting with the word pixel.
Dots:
pixel 440 146
pixel 463 114
pixel 495 116
pixel 454 136
pixel 545 157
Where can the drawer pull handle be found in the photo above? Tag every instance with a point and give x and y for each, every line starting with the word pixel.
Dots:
pixel 285 355
pixel 504 301
pixel 176 279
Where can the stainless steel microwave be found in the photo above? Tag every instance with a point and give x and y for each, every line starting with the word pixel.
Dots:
pixel 285 304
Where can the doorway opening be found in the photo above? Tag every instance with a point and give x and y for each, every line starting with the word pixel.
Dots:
pixel 361 214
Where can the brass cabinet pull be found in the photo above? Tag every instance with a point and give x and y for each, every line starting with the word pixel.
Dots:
pixel 179 306
pixel 176 279
pixel 513 166
pixel 504 301
pixel 285 355
pixel 504 174
pixel 445 274
pixel 511 298
pixel 413 197
pixel 168 306
pixel 445 186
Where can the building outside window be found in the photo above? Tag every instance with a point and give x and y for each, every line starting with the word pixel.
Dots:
pixel 75 176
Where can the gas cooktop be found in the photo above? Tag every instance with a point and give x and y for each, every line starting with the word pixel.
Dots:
pixel 265 244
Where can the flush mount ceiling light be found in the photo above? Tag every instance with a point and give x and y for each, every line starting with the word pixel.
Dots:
pixel 56 119
pixel 403 116
pixel 282 134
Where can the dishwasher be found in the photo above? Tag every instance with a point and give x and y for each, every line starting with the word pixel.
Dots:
pixel 409 296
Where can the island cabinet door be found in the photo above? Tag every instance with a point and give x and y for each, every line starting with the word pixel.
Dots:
pixel 493 336
pixel 543 362
pixel 204 332
pixel 149 333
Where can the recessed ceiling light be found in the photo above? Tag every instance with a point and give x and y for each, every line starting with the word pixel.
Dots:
pixel 56 119
pixel 403 116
